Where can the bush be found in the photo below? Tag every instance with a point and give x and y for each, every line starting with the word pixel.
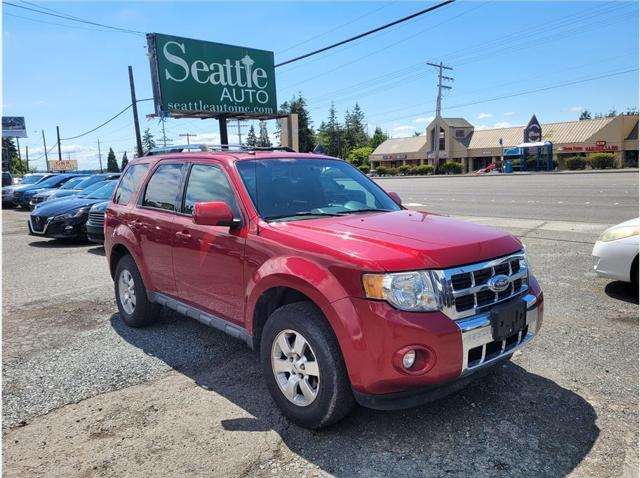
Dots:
pixel 451 167
pixel 359 156
pixel 382 170
pixel 404 170
pixel 576 163
pixel 365 168
pixel 423 170
pixel 602 161
pixel 393 171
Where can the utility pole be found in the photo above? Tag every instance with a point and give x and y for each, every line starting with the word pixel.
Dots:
pixel 164 134
pixel 188 135
pixel 439 66
pixel 59 150
pixel 240 126
pixel 46 157
pixel 134 105
pixel 100 155
pixel 18 144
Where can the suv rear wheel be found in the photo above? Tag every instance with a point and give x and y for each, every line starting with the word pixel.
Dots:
pixel 303 366
pixel 131 296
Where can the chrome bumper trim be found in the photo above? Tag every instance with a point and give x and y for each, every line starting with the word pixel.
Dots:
pixel 476 332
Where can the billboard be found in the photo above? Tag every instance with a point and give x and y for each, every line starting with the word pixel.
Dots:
pixel 13 127
pixel 68 165
pixel 205 79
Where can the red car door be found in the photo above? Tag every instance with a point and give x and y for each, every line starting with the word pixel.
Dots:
pixel 155 225
pixel 208 260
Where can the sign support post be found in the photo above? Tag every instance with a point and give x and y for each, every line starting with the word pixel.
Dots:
pixel 134 106
pixel 59 150
pixel 224 134
pixel 27 153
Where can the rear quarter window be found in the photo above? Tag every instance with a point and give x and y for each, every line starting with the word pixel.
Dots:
pixel 130 182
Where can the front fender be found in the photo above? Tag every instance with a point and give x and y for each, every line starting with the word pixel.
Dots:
pixel 122 235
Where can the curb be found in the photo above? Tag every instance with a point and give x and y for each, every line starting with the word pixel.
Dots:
pixel 503 175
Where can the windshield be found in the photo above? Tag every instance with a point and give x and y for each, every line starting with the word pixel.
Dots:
pixel 31 179
pixel 105 192
pixel 73 182
pixel 86 182
pixel 93 187
pixel 304 188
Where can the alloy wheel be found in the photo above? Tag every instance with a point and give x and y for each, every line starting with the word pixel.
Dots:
pixel 295 367
pixel 127 291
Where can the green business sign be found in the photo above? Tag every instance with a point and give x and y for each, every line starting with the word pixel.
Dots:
pixel 205 79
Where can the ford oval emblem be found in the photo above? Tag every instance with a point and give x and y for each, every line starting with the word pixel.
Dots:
pixel 499 283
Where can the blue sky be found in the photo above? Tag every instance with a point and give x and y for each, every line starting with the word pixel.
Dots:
pixel 74 76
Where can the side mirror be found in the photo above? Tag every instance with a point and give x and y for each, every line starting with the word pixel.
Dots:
pixel 213 213
pixel 396 198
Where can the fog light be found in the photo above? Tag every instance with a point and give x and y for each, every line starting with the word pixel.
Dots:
pixel 409 359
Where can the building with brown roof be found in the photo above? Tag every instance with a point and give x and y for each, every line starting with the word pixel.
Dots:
pixel 459 141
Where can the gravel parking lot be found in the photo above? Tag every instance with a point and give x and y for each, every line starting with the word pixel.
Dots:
pixel 86 396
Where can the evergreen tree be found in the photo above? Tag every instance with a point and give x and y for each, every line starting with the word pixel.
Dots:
pixel 355 135
pixel 585 115
pixel 306 134
pixel 263 136
pixel 378 138
pixel 333 133
pixel 125 161
pixel 252 140
pixel 148 141
pixel 112 163
pixel 10 154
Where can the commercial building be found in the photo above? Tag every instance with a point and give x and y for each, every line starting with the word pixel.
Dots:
pixel 458 140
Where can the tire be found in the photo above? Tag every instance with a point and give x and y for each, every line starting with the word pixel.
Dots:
pixel 333 398
pixel 634 274
pixel 144 312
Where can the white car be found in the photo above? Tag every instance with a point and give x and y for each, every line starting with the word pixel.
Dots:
pixel 615 254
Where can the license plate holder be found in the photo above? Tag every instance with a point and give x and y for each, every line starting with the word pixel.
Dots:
pixel 508 319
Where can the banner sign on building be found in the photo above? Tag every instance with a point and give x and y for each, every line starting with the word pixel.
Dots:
pixel 533 131
pixel 67 165
pixel 13 127
pixel 205 79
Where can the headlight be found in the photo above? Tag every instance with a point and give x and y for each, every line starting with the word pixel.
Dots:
pixel 621 232
pixel 411 291
pixel 70 215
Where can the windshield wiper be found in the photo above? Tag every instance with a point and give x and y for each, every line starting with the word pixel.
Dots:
pixel 371 209
pixel 303 213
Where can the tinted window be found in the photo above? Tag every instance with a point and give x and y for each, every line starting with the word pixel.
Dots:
pixel 31 179
pixel 207 183
pixel 162 188
pixel 53 181
pixel 130 182
pixel 72 183
pixel 103 192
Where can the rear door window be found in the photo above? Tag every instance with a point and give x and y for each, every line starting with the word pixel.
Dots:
pixel 163 187
pixel 130 182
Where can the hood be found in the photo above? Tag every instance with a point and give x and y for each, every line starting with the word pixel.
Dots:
pixel 60 193
pixel 46 192
pixel 100 207
pixel 62 206
pixel 403 240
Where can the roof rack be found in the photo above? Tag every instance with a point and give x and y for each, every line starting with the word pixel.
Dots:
pixel 227 148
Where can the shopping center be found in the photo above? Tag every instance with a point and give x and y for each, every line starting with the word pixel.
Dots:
pixel 459 141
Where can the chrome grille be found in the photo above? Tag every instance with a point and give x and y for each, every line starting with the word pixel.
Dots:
pixel 18 194
pixel 466 290
pixel 37 223
pixel 96 218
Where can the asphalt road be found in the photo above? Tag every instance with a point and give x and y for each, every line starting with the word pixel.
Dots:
pixel 86 396
pixel 602 198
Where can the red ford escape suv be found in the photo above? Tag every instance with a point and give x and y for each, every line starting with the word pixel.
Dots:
pixel 348 296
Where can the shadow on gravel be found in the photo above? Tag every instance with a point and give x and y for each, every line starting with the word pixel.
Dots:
pixel 509 423
pixel 622 291
pixel 97 250
pixel 58 243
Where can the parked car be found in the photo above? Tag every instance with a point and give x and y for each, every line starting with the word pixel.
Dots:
pixel 615 254
pixel 46 193
pixel 66 218
pixel 349 297
pixel 22 196
pixel 95 223
pixel 7 179
pixel 29 180
pixel 83 186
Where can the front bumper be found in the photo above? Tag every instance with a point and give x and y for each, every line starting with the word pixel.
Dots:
pixel 457 349
pixel 95 233
pixel 613 259
pixel 65 229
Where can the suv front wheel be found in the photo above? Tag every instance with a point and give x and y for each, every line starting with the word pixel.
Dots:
pixel 136 310
pixel 303 366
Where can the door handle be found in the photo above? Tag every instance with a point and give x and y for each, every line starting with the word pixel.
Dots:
pixel 184 235
pixel 136 224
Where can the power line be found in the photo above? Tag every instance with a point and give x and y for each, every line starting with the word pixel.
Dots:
pixel 367 33
pixel 74 19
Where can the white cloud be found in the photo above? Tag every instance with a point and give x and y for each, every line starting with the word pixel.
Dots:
pixel 484 115
pixel 481 126
pixel 502 124
pixel 508 113
pixel 576 108
pixel 424 120
pixel 404 128
pixel 208 138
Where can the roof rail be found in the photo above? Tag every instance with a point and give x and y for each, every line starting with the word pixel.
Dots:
pixel 216 147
